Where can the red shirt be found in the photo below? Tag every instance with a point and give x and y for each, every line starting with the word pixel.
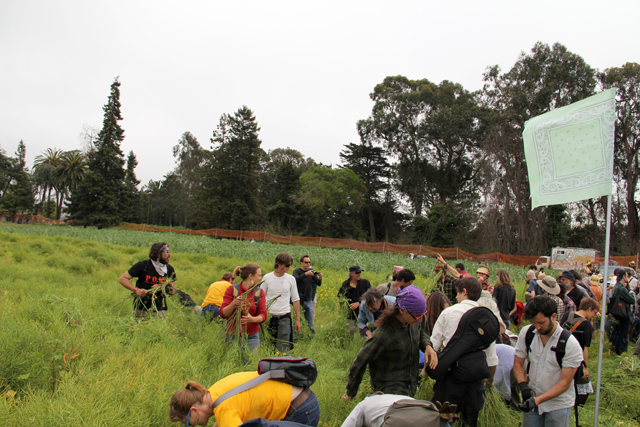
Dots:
pixel 261 310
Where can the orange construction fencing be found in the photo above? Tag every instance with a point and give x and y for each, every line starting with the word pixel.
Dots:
pixel 382 247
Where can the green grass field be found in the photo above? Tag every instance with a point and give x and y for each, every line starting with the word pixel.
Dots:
pixel 72 354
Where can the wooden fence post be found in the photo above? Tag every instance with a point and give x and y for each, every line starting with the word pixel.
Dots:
pixel 420 250
pixel 349 243
pixel 289 238
pixel 383 245
pixel 216 233
pixel 320 242
pixel 240 234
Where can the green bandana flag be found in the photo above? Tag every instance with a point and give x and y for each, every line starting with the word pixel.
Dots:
pixel 569 151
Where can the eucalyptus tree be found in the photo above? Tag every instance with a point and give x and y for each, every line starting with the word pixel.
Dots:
pixel 18 198
pixel 544 79
pixel 626 81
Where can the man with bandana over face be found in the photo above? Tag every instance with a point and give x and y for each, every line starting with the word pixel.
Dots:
pixel 153 275
pixel 392 351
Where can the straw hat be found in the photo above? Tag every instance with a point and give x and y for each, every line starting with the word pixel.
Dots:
pixel 595 280
pixel 541 276
pixel 632 264
pixel 483 270
pixel 549 284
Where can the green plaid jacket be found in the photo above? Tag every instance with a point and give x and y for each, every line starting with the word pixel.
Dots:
pixel 392 356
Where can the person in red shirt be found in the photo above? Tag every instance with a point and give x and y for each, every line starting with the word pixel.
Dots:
pixel 245 306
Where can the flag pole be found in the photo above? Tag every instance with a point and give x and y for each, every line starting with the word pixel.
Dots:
pixel 603 310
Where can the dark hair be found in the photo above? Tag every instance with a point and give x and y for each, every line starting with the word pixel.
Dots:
pixel 588 303
pixel 373 294
pixel 156 250
pixel 303 257
pixel 540 304
pixel 460 266
pixel 244 272
pixel 504 279
pixel 227 276
pixel 405 275
pixel 435 304
pixel 533 267
pixel 563 290
pixel 184 399
pixel 387 315
pixel 577 274
pixel 283 258
pixel 473 287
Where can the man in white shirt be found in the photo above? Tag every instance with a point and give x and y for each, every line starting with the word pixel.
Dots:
pixel 371 411
pixel 549 395
pixel 280 288
pixel 469 396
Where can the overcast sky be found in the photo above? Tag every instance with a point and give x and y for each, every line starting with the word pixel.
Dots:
pixel 305 68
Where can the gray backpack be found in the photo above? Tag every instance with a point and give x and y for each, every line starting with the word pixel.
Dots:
pixel 413 413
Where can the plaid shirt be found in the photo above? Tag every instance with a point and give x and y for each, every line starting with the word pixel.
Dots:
pixel 392 356
pixel 448 287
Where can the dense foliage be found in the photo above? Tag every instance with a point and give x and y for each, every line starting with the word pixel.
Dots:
pixel 436 164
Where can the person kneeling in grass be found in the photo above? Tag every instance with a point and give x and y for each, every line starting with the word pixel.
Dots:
pixel 392 352
pixel 272 400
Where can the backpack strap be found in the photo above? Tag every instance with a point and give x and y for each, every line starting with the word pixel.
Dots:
pixel 249 384
pixel 256 296
pixel 561 346
pixel 528 338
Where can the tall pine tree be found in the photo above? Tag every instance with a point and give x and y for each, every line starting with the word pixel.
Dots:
pixel 98 198
pixel 233 180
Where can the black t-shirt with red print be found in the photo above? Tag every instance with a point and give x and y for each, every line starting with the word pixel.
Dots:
pixel 148 277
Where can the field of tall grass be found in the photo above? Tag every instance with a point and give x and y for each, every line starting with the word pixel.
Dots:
pixel 72 354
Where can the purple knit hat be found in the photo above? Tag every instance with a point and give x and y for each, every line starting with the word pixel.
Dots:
pixel 411 299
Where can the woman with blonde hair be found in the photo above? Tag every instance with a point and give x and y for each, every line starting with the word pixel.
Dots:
pixel 244 305
pixel 272 400
pixel 505 296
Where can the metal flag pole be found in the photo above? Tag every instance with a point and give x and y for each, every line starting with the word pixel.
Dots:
pixel 603 310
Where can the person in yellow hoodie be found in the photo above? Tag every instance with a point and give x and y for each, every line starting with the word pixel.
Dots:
pixel 213 300
pixel 272 400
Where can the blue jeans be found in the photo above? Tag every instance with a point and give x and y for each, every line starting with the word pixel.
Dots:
pixel 557 418
pixel 308 413
pixel 281 330
pixel 211 312
pixel 307 311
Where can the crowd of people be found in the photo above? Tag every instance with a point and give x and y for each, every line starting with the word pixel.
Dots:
pixel 466 334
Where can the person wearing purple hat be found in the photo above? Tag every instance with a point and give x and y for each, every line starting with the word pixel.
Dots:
pixel 392 351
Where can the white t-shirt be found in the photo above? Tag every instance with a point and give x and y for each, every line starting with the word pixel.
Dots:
pixel 544 372
pixel 371 411
pixel 447 324
pixel 280 290
pixel 502 377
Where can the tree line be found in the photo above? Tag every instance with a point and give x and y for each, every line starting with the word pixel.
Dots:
pixel 436 164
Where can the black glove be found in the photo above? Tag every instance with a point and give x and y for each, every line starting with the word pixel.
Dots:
pixel 529 405
pixel 525 390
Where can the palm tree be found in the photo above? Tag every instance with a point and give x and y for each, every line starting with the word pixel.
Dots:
pixel 68 175
pixel 50 158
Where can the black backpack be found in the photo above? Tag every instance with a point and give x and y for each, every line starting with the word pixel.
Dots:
pixel 477 330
